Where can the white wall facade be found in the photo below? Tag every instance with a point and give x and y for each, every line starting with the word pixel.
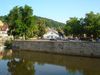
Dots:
pixel 50 35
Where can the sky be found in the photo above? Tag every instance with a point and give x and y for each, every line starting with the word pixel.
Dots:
pixel 59 10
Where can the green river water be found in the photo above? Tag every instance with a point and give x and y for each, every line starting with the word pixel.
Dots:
pixel 36 63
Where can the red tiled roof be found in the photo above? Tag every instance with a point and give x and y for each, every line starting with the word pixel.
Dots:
pixel 4 27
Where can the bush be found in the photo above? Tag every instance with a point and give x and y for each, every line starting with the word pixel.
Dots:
pixel 8 44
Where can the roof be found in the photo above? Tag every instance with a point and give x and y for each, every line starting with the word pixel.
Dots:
pixel 52 30
pixel 1 23
pixel 3 26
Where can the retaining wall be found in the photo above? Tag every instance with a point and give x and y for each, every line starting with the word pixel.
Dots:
pixel 61 47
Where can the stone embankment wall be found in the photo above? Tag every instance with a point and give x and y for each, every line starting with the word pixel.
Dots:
pixel 61 47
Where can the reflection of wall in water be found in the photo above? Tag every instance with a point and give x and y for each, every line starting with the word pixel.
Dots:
pixel 89 66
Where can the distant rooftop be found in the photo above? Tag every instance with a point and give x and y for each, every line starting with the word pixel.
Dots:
pixel 1 23
pixel 3 26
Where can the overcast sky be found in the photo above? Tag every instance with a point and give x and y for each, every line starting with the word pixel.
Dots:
pixel 59 10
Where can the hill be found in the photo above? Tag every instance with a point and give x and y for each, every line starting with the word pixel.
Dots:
pixel 48 22
pixel 51 23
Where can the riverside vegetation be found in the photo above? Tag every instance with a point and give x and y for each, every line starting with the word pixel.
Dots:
pixel 22 23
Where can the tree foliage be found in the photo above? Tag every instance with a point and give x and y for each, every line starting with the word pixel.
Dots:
pixel 20 20
pixel 41 28
pixel 90 25
pixel 73 27
pixel 22 23
pixel 51 23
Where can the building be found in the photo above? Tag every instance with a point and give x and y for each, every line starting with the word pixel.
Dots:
pixel 3 31
pixel 51 34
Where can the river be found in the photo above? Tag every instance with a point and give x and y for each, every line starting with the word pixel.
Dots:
pixel 36 63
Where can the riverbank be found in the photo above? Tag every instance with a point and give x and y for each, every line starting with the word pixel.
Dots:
pixel 91 49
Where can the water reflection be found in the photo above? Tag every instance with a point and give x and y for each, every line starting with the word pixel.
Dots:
pixel 4 68
pixel 79 65
pixel 49 69
pixel 35 63
pixel 20 67
pixel 24 67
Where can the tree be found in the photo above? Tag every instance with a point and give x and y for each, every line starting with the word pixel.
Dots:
pixel 14 22
pixel 3 18
pixel 21 22
pixel 41 28
pixel 73 27
pixel 50 23
pixel 27 14
pixel 67 30
pixel 60 32
pixel 92 24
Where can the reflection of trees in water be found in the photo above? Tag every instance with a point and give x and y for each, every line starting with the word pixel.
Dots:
pixel 86 66
pixel 74 70
pixel 20 67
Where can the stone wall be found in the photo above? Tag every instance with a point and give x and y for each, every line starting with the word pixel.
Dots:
pixel 62 47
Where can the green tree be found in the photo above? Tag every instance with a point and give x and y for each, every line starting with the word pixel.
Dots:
pixel 3 18
pixel 67 30
pixel 20 20
pixel 50 23
pixel 41 28
pixel 27 20
pixel 14 22
pixel 73 27
pixel 92 24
